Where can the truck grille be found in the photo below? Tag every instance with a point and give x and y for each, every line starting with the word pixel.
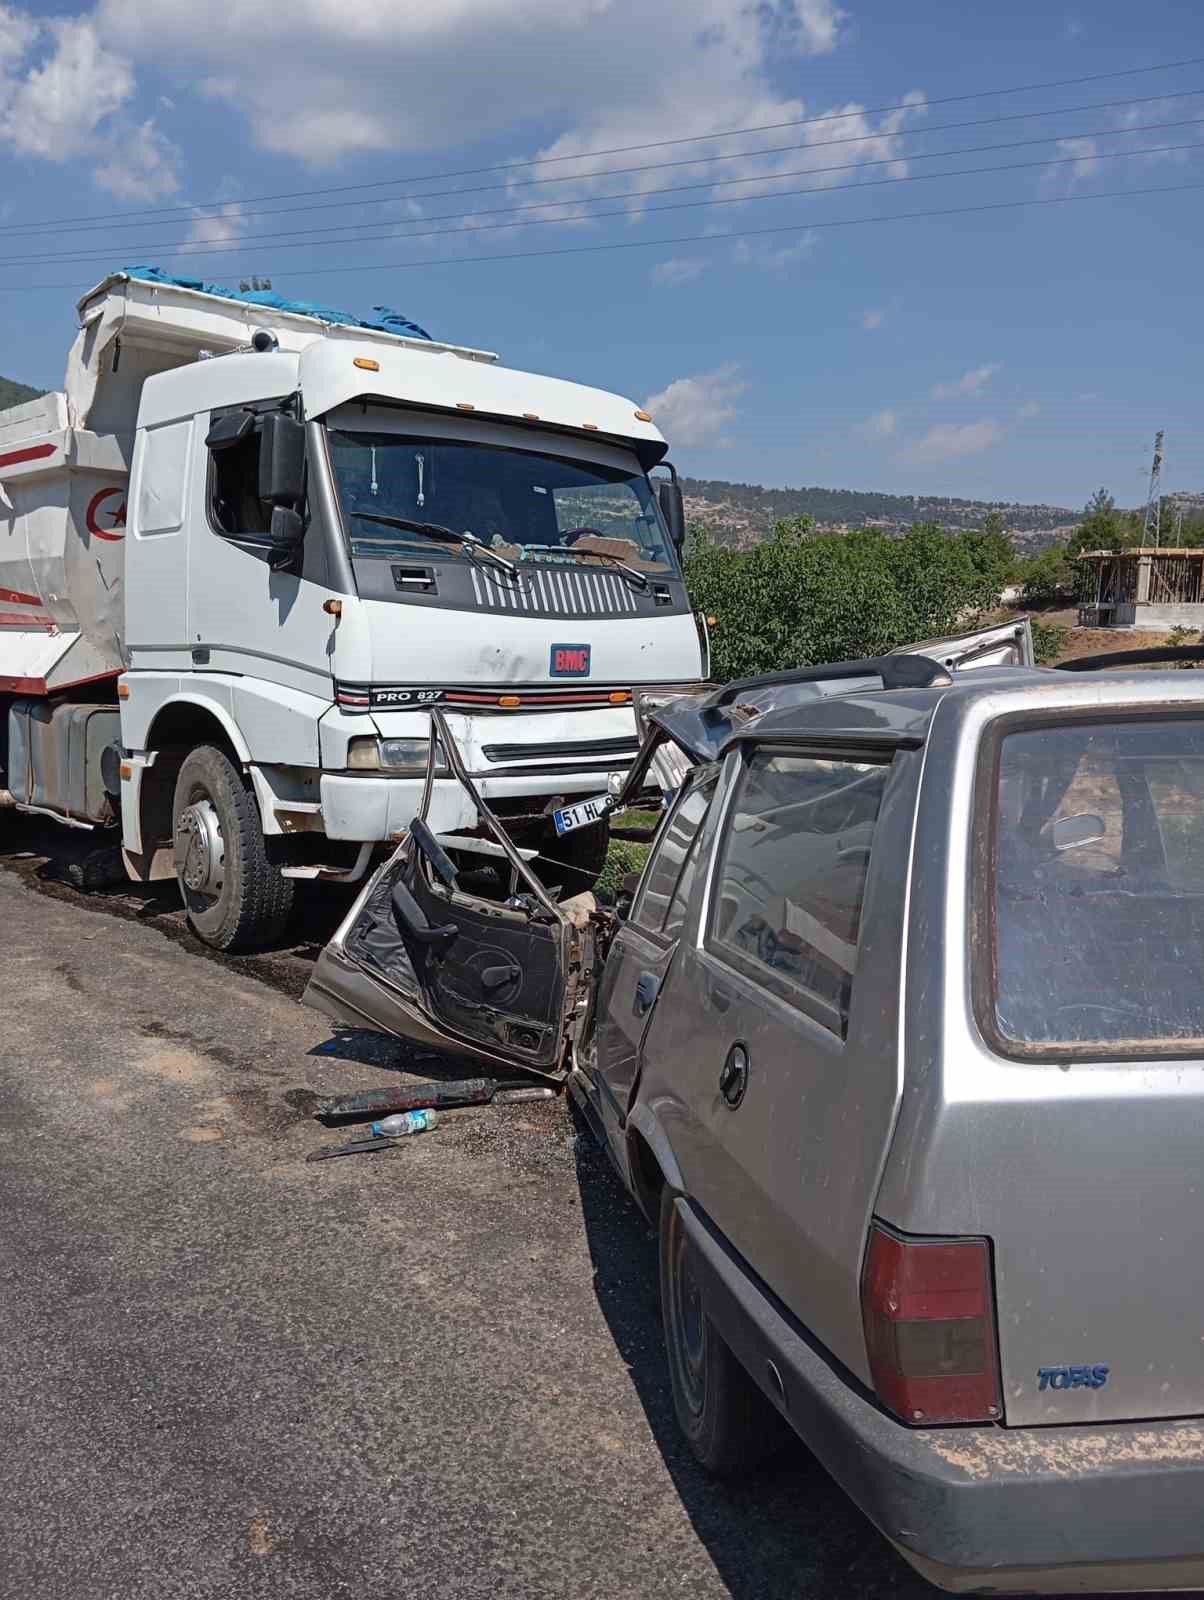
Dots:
pixel 556 592
pixel 565 750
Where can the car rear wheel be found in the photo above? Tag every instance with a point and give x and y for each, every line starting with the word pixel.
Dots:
pixel 235 897
pixel 730 1425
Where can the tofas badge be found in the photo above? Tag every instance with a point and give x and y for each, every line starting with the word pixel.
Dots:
pixel 569 661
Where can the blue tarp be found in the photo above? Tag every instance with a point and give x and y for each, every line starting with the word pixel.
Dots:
pixel 385 319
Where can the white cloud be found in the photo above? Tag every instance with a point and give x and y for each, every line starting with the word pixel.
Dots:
pixel 1080 159
pixel 1030 408
pixel 969 383
pixel 58 84
pixel 142 164
pixel 948 441
pixel 379 76
pixel 872 317
pixel 218 225
pixel 773 258
pixel 678 269
pixel 1088 395
pixel 694 411
pixel 880 425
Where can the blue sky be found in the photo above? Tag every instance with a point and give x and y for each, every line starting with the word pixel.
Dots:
pixel 1024 353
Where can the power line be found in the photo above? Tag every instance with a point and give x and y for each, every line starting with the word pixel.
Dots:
pixel 655 144
pixel 687 238
pixel 192 252
pixel 658 166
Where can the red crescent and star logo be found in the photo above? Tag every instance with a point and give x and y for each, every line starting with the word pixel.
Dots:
pixel 113 515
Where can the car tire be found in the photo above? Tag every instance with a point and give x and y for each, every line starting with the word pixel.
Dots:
pixel 235 897
pixel 729 1424
pixel 572 862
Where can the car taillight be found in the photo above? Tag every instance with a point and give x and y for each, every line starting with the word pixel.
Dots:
pixel 929 1315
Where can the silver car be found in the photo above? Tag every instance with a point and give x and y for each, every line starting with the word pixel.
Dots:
pixel 899 1041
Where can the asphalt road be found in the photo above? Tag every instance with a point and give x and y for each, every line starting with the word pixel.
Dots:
pixel 225 1373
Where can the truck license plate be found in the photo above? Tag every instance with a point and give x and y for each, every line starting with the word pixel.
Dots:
pixel 581 815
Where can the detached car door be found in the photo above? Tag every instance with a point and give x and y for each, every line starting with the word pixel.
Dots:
pixel 420 957
pixel 426 954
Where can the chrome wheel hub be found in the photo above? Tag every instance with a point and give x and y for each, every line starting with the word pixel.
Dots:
pixel 200 850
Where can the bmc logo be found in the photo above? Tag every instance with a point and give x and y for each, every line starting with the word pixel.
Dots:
pixel 569 661
pixel 1072 1377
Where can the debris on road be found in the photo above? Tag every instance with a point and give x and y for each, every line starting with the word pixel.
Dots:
pixel 402 1123
pixel 370 1103
pixel 354 1148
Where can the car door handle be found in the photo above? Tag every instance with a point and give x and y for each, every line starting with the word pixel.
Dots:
pixel 495 977
pixel 412 919
pixel 733 1080
pixel 718 999
pixel 646 991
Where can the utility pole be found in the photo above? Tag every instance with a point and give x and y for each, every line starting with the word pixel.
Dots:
pixel 1153 504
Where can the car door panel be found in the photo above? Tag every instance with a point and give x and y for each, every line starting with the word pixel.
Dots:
pixel 789 1173
pixel 641 953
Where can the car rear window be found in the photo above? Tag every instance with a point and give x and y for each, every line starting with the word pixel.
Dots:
pixel 1098 888
pixel 787 900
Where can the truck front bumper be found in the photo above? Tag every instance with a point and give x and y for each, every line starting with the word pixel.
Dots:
pixel 976 1510
pixel 365 807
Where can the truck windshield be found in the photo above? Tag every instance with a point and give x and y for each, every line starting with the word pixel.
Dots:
pixel 1099 889
pixel 525 505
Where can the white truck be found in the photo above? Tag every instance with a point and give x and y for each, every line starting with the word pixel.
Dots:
pixel 248 547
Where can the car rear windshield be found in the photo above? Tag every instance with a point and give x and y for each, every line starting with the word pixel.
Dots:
pixel 1098 884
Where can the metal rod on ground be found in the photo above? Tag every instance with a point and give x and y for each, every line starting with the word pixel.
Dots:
pixel 371 1103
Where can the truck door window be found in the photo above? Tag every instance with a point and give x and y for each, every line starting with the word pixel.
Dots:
pixel 661 907
pixel 234 503
pixel 788 895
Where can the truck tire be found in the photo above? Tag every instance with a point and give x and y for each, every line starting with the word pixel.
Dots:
pixel 235 898
pixel 573 861
pixel 728 1423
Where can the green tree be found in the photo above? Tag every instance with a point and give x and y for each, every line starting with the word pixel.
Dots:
pixel 1049 578
pixel 800 598
pixel 1103 527
pixel 991 551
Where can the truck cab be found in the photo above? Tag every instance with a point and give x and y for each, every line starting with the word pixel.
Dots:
pixel 327 529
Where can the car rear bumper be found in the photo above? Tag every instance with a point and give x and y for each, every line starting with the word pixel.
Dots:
pixel 983 1509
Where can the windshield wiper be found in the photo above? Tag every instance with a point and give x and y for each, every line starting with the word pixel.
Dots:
pixel 436 530
pixel 604 555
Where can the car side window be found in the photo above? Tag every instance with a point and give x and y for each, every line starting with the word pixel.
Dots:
pixel 665 890
pixel 786 906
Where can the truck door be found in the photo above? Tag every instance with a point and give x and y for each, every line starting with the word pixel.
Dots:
pixel 771 1061
pixel 243 616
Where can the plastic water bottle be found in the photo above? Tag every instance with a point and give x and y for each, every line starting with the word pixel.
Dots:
pixel 403 1122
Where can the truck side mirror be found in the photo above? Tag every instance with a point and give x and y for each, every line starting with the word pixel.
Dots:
pixel 287 533
pixel 230 430
pixel 281 461
pixel 673 509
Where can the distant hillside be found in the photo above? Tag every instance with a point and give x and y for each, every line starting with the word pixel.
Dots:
pixel 742 513
pixel 14 394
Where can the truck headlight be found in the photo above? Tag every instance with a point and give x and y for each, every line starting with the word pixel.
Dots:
pixel 397 756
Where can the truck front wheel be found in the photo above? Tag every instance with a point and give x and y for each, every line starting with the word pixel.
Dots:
pixel 235 898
